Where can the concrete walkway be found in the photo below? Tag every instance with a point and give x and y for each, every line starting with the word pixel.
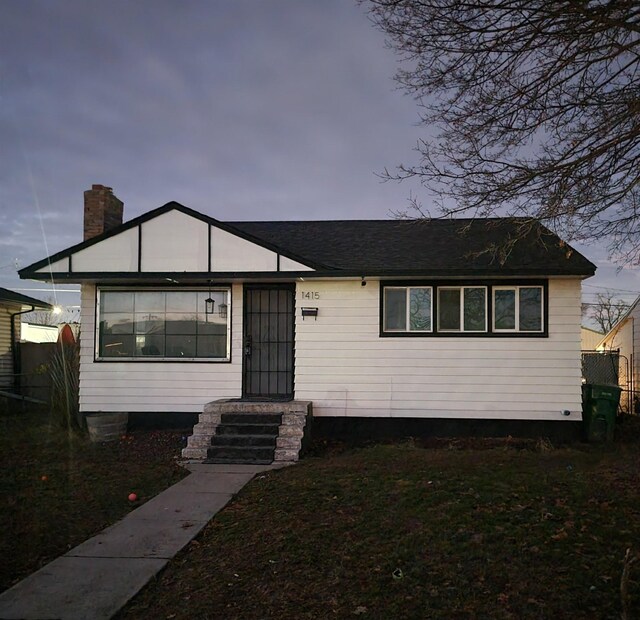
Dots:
pixel 96 579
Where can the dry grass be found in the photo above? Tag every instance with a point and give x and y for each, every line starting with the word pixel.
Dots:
pixel 57 489
pixel 399 531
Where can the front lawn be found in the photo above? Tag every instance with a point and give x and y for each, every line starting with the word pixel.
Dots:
pixel 57 489
pixel 398 531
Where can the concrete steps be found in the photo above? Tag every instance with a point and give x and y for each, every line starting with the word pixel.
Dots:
pixel 248 438
pixel 230 431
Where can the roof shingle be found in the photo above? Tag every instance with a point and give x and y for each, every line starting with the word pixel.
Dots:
pixel 481 246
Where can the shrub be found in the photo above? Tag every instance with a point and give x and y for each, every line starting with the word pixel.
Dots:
pixel 65 380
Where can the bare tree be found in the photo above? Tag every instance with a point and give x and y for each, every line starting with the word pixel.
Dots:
pixel 41 317
pixel 532 108
pixel 606 311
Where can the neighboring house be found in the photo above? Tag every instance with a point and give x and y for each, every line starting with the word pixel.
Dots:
pixel 589 338
pixel 46 326
pixel 31 332
pixel 385 326
pixel 624 339
pixel 12 306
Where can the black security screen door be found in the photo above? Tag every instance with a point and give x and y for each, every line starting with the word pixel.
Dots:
pixel 268 341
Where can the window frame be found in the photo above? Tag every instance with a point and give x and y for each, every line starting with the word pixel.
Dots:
pixel 490 284
pixel 462 289
pixel 516 329
pixel 408 311
pixel 97 357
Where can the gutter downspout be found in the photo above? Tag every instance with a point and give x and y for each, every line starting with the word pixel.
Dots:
pixel 17 366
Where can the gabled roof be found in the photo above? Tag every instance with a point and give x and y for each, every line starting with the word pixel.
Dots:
pixel 453 247
pixel 24 300
pixel 27 272
pixel 619 323
pixel 438 247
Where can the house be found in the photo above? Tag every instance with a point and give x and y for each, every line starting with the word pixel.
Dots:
pixel 623 339
pixel 589 338
pixel 32 332
pixel 385 326
pixel 12 305
pixel 47 327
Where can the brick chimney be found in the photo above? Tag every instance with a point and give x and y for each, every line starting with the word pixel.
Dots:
pixel 102 211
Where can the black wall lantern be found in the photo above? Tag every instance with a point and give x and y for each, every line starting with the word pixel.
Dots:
pixel 222 310
pixel 209 302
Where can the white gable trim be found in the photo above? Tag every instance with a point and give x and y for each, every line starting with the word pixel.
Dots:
pixel 59 266
pixel 287 264
pixel 119 252
pixel 231 253
pixel 172 241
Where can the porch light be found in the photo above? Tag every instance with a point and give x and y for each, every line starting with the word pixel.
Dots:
pixel 209 302
pixel 222 310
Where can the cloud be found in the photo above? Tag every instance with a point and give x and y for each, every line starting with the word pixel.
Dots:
pixel 276 109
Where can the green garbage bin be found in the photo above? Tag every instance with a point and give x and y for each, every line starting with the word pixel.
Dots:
pixel 599 410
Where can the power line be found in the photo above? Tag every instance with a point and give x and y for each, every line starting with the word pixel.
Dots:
pixel 48 290
pixel 611 288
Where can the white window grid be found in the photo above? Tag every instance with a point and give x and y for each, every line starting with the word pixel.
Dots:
pixel 517 329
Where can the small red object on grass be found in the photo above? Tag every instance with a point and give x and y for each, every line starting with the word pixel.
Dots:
pixel 133 497
pixel 44 478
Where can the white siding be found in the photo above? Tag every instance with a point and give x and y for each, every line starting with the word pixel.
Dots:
pixel 6 356
pixel 347 369
pixel 117 253
pixel 589 339
pixel 620 337
pixel 175 241
pixel 231 253
pixel 155 386
pixel 38 333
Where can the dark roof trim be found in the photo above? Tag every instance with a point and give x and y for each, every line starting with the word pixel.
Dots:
pixel 7 295
pixel 307 275
pixel 28 272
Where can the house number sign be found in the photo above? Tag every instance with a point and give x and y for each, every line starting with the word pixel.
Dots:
pixel 309 295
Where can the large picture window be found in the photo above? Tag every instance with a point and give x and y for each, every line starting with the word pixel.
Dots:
pixel 164 324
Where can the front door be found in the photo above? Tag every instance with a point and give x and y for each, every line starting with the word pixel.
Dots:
pixel 268 341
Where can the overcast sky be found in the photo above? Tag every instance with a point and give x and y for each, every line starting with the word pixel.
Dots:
pixel 243 109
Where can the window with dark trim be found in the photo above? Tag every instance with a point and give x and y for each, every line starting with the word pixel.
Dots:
pixel 407 308
pixel 462 309
pixel 163 324
pixel 471 308
pixel 518 309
